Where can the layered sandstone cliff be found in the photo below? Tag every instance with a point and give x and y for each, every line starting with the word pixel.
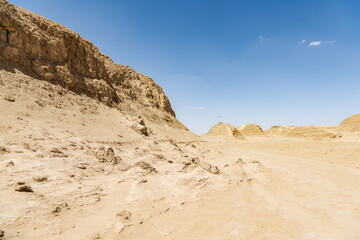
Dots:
pixel 56 54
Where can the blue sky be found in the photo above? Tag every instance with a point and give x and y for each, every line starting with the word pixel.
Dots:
pixel 257 61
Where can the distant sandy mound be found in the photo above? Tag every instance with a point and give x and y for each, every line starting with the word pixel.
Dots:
pixel 313 132
pixel 279 130
pixel 351 124
pixel 224 130
pixel 251 130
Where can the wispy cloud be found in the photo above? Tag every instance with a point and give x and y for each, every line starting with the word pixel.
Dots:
pixel 315 43
pixel 262 39
pixel 302 42
pixel 194 108
pixel 318 43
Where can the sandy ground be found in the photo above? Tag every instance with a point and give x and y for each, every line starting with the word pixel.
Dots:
pixel 168 185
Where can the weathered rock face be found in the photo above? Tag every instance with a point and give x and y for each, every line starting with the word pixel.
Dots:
pixel 57 54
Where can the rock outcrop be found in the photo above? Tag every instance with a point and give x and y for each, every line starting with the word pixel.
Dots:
pixel 56 54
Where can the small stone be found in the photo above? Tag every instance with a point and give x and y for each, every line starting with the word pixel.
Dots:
pixel 55 150
pixel 159 156
pixel 124 215
pixel 40 179
pixel 195 161
pixel 144 130
pixel 80 166
pixel 146 166
pixel 206 166
pixel 58 209
pixel 240 161
pixel 57 153
pixel 107 156
pixel 211 169
pixel 187 163
pixel 255 161
pixel 9 98
pixel 3 150
pixel 214 170
pixel 10 164
pixel 40 103
pixel 24 188
pixel 95 236
pixel 27 147
pixel 141 122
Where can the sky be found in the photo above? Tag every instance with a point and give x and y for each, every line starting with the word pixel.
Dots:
pixel 283 62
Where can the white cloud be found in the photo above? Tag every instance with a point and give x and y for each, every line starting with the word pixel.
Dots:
pixel 302 42
pixel 262 39
pixel 194 108
pixel 315 43
pixel 318 43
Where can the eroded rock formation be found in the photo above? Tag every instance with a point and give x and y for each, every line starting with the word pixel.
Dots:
pixel 55 53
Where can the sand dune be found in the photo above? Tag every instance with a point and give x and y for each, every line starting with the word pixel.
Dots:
pixel 313 132
pixel 279 130
pixel 224 130
pixel 351 124
pixel 251 130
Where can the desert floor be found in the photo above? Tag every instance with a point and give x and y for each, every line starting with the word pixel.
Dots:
pixel 267 189
pixel 281 190
pixel 94 175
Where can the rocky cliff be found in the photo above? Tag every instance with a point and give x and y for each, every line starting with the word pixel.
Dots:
pixel 56 54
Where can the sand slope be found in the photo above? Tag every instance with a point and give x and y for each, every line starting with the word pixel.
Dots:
pixel 313 132
pixel 251 130
pixel 350 124
pixel 224 130
pixel 279 130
